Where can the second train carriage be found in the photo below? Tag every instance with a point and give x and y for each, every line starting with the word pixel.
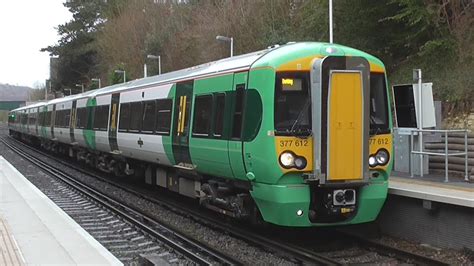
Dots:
pixel 299 135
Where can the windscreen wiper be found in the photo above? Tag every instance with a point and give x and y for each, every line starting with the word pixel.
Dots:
pixel 302 111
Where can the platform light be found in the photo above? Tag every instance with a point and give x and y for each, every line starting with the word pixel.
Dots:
pixel 227 39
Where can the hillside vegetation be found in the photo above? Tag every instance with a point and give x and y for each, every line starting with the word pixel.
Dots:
pixel 434 35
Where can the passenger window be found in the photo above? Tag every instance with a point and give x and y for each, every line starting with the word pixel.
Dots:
pixel 32 119
pixel 135 116
pixel 237 121
pixel 202 115
pixel 149 117
pixel 163 116
pixel 124 120
pixel 219 115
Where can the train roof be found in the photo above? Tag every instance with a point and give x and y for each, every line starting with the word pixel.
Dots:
pixel 36 104
pixel 272 57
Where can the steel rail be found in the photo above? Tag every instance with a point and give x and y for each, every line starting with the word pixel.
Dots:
pixel 294 252
pixel 391 251
pixel 301 254
pixel 122 209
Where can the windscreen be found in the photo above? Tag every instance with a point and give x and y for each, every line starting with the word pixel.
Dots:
pixel 292 104
pixel 378 105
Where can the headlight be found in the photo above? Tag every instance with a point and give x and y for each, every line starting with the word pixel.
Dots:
pixel 287 159
pixel 372 161
pixel 382 157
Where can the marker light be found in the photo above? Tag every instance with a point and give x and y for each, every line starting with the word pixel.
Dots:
pixel 382 157
pixel 287 159
pixel 299 212
pixel 300 163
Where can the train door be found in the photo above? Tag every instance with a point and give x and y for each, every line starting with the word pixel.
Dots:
pixel 181 124
pixel 340 91
pixel 235 145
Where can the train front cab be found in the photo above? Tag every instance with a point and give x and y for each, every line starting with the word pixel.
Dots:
pixel 332 135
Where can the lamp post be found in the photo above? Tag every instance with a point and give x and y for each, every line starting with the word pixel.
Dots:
pixel 227 39
pixel 123 73
pixel 330 21
pixel 158 57
pixel 46 89
pixel 98 80
pixel 81 86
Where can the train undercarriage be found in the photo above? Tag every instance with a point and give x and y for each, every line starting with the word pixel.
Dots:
pixel 231 198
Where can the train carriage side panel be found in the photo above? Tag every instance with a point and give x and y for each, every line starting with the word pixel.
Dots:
pixel 145 141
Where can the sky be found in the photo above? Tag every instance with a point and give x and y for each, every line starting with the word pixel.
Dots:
pixel 26 26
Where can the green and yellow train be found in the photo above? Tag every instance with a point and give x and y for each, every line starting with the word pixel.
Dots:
pixel 298 135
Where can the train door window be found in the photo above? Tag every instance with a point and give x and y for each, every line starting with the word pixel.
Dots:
pixel 41 119
pixel 202 116
pixel 219 115
pixel 81 117
pixel 24 118
pixel 67 118
pixel 135 116
pixel 31 119
pixel 124 120
pixel 58 120
pixel 237 117
pixel 149 116
pixel 101 114
pixel 47 119
pixel 163 116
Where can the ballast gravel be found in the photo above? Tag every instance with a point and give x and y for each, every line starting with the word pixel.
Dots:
pixel 227 244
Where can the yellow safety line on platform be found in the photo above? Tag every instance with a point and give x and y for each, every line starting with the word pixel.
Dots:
pixel 9 252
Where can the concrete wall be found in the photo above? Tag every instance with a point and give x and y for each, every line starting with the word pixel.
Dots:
pixel 445 226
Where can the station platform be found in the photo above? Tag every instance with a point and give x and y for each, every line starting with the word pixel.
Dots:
pixel 433 188
pixel 33 230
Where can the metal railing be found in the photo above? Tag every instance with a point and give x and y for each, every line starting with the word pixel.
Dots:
pixel 446 153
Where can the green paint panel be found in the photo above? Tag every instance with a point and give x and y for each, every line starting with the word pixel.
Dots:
pixel 278 204
pixel 167 140
pixel 260 153
pixel 88 133
pixel 235 145
pixel 292 52
pixel 210 155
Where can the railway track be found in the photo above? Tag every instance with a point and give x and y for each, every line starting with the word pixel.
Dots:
pixel 371 251
pixel 126 232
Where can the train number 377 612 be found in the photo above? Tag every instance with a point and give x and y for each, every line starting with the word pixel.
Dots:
pixel 379 141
